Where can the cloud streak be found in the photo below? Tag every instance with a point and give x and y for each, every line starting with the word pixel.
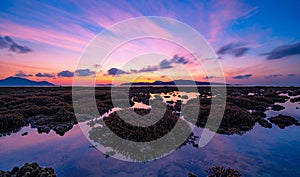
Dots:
pixel 65 73
pixel 235 49
pixel 11 45
pixel 273 76
pixel 246 76
pixel 84 72
pixel 283 51
pixel 291 75
pixel 49 75
pixel 116 71
pixel 164 64
pixel 22 74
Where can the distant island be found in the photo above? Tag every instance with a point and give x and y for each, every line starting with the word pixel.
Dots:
pixel 18 81
pixel 175 82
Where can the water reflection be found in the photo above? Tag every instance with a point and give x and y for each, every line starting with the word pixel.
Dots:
pixel 260 152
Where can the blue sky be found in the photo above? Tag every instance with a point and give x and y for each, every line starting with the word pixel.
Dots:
pixel 258 42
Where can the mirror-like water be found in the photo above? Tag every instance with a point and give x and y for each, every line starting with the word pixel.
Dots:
pixel 259 152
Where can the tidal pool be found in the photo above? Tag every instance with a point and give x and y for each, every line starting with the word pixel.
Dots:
pixel 259 152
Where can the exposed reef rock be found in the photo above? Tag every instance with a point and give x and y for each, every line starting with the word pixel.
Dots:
pixel 29 170
pixel 283 121
pixel 277 107
pixel 219 171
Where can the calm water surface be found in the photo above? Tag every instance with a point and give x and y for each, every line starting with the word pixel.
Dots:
pixel 260 152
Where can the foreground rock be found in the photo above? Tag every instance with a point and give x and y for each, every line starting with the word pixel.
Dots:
pixel 218 171
pixel 283 121
pixel 264 123
pixel 29 170
pixel 11 123
pixel 158 137
pixel 296 99
pixel 61 122
pixel 235 119
pixel 277 107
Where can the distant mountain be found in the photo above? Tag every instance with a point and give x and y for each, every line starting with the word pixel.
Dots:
pixel 17 81
pixel 104 85
pixel 175 82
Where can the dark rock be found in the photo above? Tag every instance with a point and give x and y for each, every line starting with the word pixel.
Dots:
pixel 283 121
pixel 25 133
pixel 294 100
pixel 11 122
pixel 61 122
pixel 277 107
pixel 235 120
pixel 264 123
pixel 184 97
pixel 258 115
pixel 191 175
pixel 3 108
pixel 219 171
pixel 63 116
pixel 28 170
pixel 170 102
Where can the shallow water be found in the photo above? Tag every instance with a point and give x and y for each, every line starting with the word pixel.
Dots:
pixel 260 152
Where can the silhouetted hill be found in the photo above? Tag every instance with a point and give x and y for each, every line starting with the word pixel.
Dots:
pixel 175 82
pixel 17 81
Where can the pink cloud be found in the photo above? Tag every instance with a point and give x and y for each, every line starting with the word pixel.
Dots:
pixel 47 36
pixel 222 13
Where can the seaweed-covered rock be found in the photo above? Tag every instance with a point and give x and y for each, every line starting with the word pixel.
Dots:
pixel 277 107
pixel 63 116
pixel 296 99
pixel 258 115
pixel 283 121
pixel 264 123
pixel 29 170
pixel 191 175
pixel 11 123
pixel 235 119
pixel 219 171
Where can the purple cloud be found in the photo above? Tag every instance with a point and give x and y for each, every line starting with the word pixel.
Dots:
pixel 116 71
pixel 22 74
pixel 149 69
pixel 210 77
pixel 11 45
pixel 85 72
pixel 273 76
pixel 283 51
pixel 65 73
pixel 235 49
pixel 246 76
pixel 49 75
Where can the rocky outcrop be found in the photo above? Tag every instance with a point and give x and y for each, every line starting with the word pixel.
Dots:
pixel 29 170
pixel 60 122
pixel 219 171
pixel 277 107
pixel 283 121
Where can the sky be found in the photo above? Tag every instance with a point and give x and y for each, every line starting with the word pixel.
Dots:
pixel 256 42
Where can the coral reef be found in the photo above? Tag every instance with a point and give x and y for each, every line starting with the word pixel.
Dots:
pixel 29 170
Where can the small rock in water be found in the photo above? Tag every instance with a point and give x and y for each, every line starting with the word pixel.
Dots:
pixel 277 107
pixel 185 97
pixel 25 133
pixel 264 123
pixel 283 121
pixel 3 108
pixel 191 175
